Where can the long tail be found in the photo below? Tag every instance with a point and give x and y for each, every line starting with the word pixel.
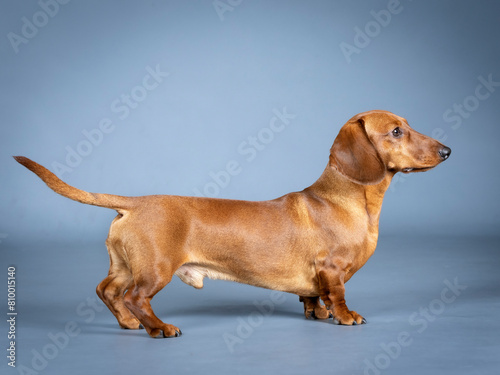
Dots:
pixel 102 200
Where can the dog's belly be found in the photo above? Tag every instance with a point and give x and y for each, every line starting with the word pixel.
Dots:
pixel 300 284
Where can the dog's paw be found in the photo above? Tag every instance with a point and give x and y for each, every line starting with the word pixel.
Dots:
pixel 348 318
pixel 309 314
pixel 319 312
pixel 166 331
pixel 131 324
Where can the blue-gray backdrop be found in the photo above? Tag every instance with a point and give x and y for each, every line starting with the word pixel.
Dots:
pixel 241 99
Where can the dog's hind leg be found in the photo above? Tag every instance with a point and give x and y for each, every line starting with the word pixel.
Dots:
pixel 112 289
pixel 138 299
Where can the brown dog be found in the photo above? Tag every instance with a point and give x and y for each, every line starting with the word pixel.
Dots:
pixel 309 243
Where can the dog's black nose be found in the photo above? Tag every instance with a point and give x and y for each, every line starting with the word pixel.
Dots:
pixel 445 152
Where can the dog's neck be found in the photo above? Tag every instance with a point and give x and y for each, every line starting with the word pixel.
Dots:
pixel 334 187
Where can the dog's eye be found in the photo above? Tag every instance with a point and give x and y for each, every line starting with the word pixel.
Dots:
pixel 397 132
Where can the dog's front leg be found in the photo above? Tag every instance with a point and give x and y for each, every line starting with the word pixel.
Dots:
pixel 313 309
pixel 332 291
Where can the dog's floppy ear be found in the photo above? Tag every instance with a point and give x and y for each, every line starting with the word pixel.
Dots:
pixel 354 155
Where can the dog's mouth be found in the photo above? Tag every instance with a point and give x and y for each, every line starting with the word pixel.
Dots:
pixel 411 170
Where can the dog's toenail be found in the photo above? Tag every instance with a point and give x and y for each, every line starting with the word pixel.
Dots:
pixel 363 321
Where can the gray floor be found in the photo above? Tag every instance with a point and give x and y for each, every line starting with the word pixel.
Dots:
pixel 432 306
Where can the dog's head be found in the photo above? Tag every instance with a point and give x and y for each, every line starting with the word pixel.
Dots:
pixel 374 143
